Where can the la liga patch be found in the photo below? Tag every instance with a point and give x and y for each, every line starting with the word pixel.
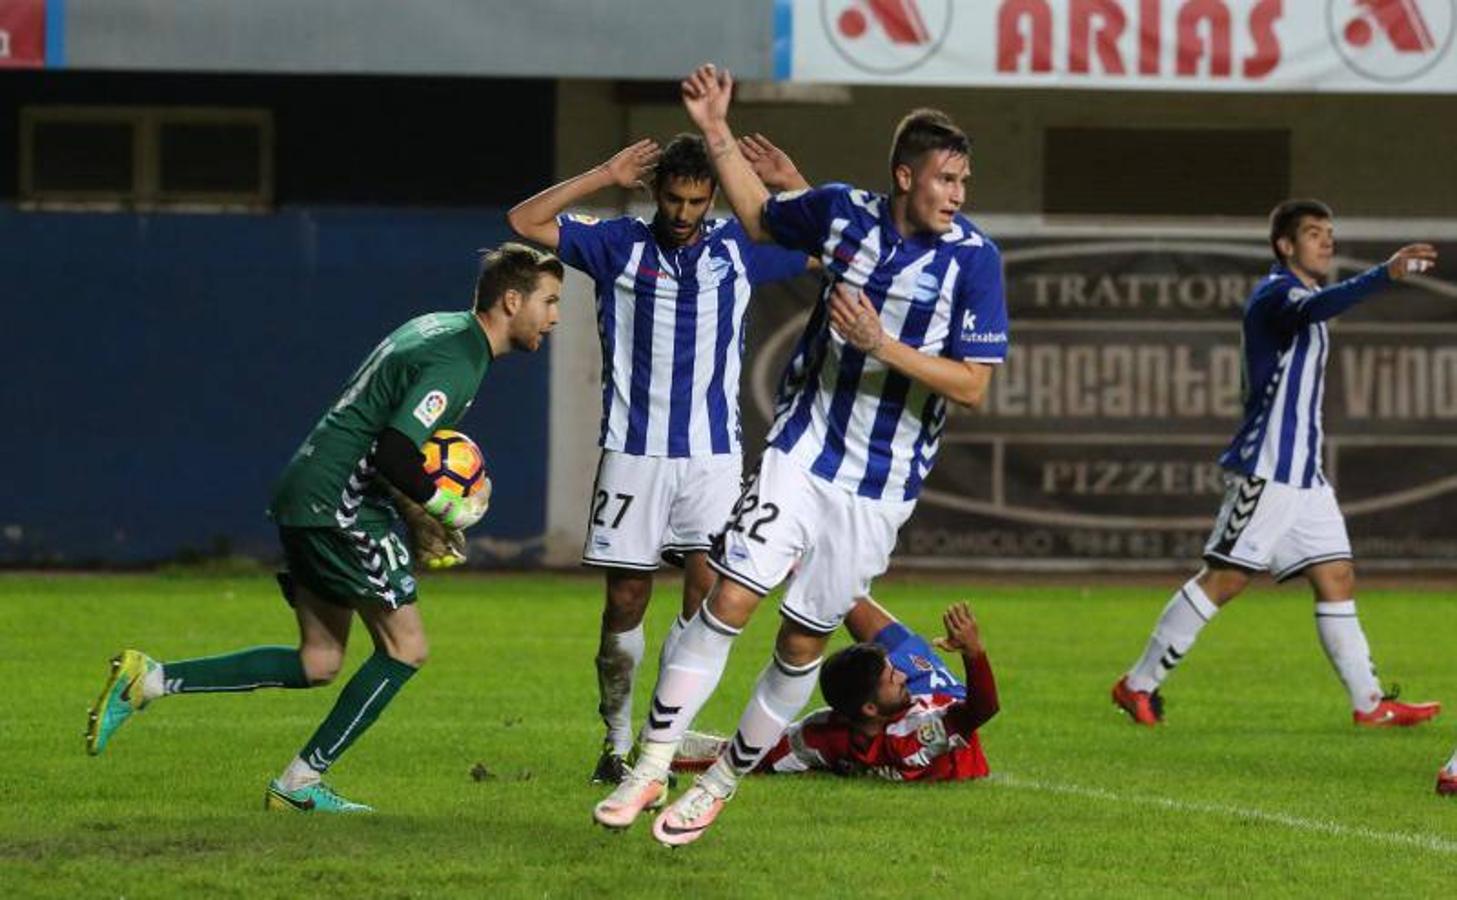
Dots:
pixel 430 407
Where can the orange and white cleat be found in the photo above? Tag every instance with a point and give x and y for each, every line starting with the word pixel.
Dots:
pixel 1446 783
pixel 1391 713
pixel 686 818
pixel 1144 707
pixel 638 791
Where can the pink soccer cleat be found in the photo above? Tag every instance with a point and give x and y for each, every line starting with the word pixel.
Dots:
pixel 686 818
pixel 637 791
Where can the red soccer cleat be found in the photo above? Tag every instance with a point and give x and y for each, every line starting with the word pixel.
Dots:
pixel 1144 707
pixel 1390 713
pixel 1446 784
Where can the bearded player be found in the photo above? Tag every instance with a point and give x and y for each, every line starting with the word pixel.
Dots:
pixel 336 523
pixel 1279 513
pixel 913 315
pixel 672 295
pixel 895 711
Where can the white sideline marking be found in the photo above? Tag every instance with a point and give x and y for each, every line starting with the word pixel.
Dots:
pixel 1420 841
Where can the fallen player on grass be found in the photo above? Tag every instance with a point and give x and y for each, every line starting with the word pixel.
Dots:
pixel 895 711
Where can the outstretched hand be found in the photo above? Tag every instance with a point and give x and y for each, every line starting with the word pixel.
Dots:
pixel 630 166
pixel 1413 259
pixel 962 634
pixel 706 94
pixel 772 165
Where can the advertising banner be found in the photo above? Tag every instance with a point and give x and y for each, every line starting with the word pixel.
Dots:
pixel 1383 46
pixel 1097 445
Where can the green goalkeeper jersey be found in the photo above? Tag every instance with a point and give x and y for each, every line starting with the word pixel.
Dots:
pixel 418 380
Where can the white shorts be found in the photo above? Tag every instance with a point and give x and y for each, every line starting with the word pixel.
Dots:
pixel 1265 525
pixel 835 542
pixel 648 508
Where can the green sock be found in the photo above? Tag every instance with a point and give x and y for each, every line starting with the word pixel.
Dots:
pixel 244 670
pixel 359 704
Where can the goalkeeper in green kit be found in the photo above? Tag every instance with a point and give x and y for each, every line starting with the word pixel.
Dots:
pixel 335 507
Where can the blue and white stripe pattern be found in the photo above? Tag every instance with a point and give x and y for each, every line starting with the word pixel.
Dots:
pixel 845 416
pixel 1286 344
pixel 925 672
pixel 671 325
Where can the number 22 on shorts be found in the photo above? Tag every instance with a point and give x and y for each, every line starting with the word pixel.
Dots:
pixel 749 504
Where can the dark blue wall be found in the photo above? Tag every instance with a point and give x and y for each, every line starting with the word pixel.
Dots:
pixel 158 370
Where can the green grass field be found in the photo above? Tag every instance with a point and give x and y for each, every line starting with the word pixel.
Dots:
pixel 1258 784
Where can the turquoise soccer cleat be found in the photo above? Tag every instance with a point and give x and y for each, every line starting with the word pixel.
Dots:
pixel 121 697
pixel 316 797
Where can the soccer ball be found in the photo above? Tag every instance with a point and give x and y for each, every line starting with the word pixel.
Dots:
pixel 454 463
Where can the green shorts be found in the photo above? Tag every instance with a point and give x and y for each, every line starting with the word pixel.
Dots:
pixel 368 565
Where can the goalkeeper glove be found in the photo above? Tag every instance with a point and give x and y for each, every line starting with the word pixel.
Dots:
pixel 432 545
pixel 460 513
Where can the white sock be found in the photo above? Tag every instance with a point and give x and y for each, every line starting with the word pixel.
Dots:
pixel 1451 767
pixel 1178 626
pixel 689 678
pixel 297 775
pixel 720 779
pixel 656 757
pixel 618 656
pixel 154 683
pixel 1345 645
pixel 671 641
pixel 782 691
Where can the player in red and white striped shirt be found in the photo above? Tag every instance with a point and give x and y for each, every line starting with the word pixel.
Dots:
pixel 895 711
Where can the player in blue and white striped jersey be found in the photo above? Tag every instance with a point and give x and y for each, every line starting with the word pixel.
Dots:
pixel 848 415
pixel 912 315
pixel 1279 513
pixel 671 301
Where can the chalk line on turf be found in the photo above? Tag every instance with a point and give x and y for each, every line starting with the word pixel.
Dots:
pixel 1322 826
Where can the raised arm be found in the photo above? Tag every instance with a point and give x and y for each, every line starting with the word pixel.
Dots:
pixel 963 636
pixel 535 218
pixel 706 95
pixel 854 318
pixel 772 165
pixel 1327 303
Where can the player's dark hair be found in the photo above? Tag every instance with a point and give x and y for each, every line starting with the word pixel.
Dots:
pixel 1285 221
pixel 849 678
pixel 922 131
pixel 686 157
pixel 511 267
